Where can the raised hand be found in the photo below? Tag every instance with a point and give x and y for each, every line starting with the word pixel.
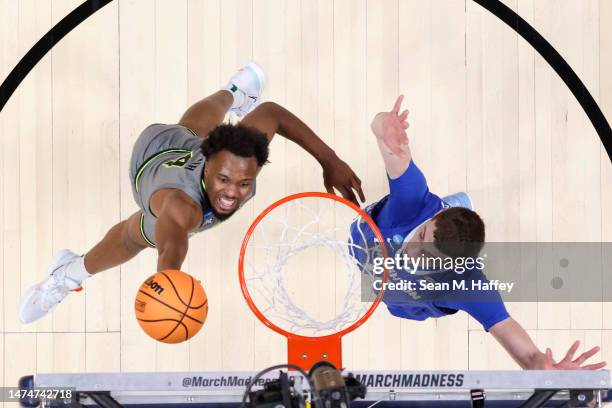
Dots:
pixel 393 127
pixel 546 361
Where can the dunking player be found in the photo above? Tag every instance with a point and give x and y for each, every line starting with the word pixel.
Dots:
pixel 414 221
pixel 187 178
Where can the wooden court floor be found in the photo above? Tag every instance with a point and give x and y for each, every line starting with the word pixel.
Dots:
pixel 488 116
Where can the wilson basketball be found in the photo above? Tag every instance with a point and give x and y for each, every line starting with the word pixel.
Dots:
pixel 171 306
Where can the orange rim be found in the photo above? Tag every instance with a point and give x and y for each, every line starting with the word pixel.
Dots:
pixel 245 290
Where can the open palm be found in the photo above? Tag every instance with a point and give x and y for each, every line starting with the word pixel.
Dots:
pixel 394 127
pixel 569 363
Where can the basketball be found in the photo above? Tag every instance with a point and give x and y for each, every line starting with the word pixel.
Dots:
pixel 171 306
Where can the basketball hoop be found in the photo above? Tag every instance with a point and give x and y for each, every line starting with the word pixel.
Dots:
pixel 342 237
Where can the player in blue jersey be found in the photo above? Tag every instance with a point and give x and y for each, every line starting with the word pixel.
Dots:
pixel 415 221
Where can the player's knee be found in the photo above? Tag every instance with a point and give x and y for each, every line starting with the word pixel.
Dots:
pixel 132 243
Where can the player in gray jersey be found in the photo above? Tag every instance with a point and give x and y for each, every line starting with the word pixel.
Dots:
pixel 187 178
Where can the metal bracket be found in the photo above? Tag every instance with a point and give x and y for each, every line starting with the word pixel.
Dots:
pixel 581 398
pixel 478 398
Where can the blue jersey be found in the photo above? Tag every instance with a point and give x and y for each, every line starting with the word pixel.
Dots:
pixel 408 205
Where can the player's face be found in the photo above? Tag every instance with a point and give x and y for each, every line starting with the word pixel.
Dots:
pixel 229 181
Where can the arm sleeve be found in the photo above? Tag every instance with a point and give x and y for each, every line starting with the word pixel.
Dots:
pixel 488 314
pixel 408 196
pixel 486 306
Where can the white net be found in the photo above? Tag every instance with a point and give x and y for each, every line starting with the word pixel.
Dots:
pixel 305 265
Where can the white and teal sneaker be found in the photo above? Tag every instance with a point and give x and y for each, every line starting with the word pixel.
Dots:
pixel 41 298
pixel 246 85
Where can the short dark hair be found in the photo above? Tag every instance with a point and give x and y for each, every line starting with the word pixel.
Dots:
pixel 240 140
pixel 459 232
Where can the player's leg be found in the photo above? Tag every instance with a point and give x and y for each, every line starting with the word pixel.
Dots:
pixel 241 94
pixel 120 244
pixel 205 115
pixel 68 270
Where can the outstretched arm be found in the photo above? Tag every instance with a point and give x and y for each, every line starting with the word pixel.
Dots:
pixel 272 118
pixel 390 131
pixel 177 214
pixel 511 335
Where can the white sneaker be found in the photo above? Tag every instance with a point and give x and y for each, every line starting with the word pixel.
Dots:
pixel 44 296
pixel 250 82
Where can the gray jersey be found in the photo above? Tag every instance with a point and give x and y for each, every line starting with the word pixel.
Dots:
pixel 169 156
